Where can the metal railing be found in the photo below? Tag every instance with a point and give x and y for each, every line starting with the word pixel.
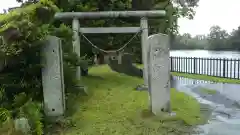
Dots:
pixel 218 67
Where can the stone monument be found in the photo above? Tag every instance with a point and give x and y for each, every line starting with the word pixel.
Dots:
pixel 159 73
pixel 52 77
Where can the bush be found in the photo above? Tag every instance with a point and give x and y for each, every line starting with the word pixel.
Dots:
pixel 23 31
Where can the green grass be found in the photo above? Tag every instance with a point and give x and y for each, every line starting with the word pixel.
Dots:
pixel 207 78
pixel 113 107
pixel 208 91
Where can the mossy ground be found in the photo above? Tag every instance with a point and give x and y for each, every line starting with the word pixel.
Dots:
pixel 207 78
pixel 113 107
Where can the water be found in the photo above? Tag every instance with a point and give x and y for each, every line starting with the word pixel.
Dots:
pixel 212 67
pixel 225 104
pixel 205 54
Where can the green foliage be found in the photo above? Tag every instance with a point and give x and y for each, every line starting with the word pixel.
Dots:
pixel 24 31
pixel 22 107
pixel 165 25
pixel 23 69
pixel 5 116
pixel 5 120
pixel 32 111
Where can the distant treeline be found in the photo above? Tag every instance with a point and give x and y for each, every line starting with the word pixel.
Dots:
pixel 217 39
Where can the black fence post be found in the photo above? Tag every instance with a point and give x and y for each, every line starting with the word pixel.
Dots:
pixel 233 68
pixel 206 66
pixel 238 67
pixel 224 68
pixel 194 65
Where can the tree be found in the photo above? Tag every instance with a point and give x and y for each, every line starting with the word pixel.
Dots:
pixel 167 25
pixel 217 38
pixel 234 39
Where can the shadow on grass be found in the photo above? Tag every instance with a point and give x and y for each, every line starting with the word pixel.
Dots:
pixel 74 98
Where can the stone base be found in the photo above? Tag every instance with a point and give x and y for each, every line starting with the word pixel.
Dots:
pixel 141 88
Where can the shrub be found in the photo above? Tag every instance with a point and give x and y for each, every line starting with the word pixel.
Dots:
pixel 23 31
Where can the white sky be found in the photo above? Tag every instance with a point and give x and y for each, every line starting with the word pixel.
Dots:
pixel 224 13
pixel 5 4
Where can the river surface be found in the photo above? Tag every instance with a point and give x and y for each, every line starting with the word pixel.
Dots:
pixel 205 54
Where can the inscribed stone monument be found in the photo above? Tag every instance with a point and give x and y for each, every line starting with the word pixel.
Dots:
pixel 159 73
pixel 52 77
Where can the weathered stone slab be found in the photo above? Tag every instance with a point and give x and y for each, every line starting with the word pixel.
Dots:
pixel 159 73
pixel 52 77
pixel 22 125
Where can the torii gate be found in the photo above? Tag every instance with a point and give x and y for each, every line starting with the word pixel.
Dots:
pixel 56 89
pixel 143 15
